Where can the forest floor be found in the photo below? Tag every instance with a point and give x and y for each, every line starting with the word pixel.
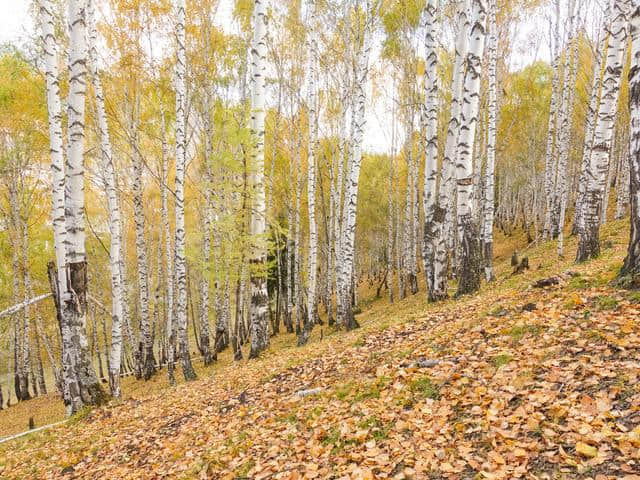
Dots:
pixel 515 382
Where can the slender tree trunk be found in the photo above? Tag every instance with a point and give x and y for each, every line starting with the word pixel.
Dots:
pixel 259 293
pixel 205 335
pixel 181 145
pixel 589 229
pixel 623 182
pixel 468 235
pixel 631 265
pixel 430 121
pixel 489 173
pixel 564 137
pixel 109 179
pixel 345 317
pixel 312 266
pixel 443 213
pixel 168 255
pixel 553 123
pixel 145 361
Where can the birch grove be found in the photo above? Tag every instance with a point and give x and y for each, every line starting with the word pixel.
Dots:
pixel 220 182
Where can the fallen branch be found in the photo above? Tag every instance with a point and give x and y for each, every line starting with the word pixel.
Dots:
pixel 28 432
pixel 546 282
pixel 25 304
pixel 307 393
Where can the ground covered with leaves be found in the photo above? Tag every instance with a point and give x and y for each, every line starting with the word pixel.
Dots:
pixel 516 382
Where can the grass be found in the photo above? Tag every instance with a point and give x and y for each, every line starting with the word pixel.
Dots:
pixel 379 430
pixel 424 387
pixel 634 297
pixel 501 360
pixel 607 303
pixel 517 332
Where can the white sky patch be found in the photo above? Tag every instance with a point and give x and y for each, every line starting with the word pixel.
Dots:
pixel 15 22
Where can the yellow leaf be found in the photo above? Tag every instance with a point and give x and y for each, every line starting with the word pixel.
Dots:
pixel 586 450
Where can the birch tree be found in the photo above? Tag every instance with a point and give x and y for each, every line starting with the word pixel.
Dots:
pixel 312 266
pixel 71 394
pixel 596 169
pixel 549 170
pixel 259 295
pixel 592 110
pixel 489 174
pixel 181 145
pixel 430 126
pixel 443 214
pixel 345 317
pixel 145 361
pixel 631 266
pixel 469 276
pixel 68 277
pixel 109 180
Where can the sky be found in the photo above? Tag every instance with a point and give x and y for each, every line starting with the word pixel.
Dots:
pixel 15 20
pixel 529 39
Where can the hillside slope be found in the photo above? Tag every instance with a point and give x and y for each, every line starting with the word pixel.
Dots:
pixel 516 382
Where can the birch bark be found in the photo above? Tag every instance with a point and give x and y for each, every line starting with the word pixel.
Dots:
pixel 430 120
pixel 181 145
pixel 489 174
pixel 468 235
pixel 312 266
pixel 589 229
pixel 631 265
pixel 259 294
pixel 443 212
pixel 74 299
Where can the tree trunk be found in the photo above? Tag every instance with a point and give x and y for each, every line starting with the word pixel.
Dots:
pixel 589 229
pixel 181 145
pixel 312 265
pixel 443 213
pixel 345 317
pixel 468 235
pixel 259 294
pixel 109 179
pixel 430 125
pixel 631 265
pixel 489 173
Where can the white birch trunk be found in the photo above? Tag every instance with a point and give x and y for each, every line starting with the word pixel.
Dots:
pixel 430 121
pixel 109 179
pixel 594 104
pixel 564 137
pixel 345 317
pixel 631 267
pixel 489 173
pixel 312 266
pixel 168 255
pixel 589 242
pixel 259 293
pixel 145 362
pixel 468 235
pixel 444 212
pixel 622 184
pixel 207 214
pixel 553 123
pixel 181 145
pixel 70 389
pixel 75 300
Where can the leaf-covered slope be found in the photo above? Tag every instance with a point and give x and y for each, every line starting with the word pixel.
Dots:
pixel 516 382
